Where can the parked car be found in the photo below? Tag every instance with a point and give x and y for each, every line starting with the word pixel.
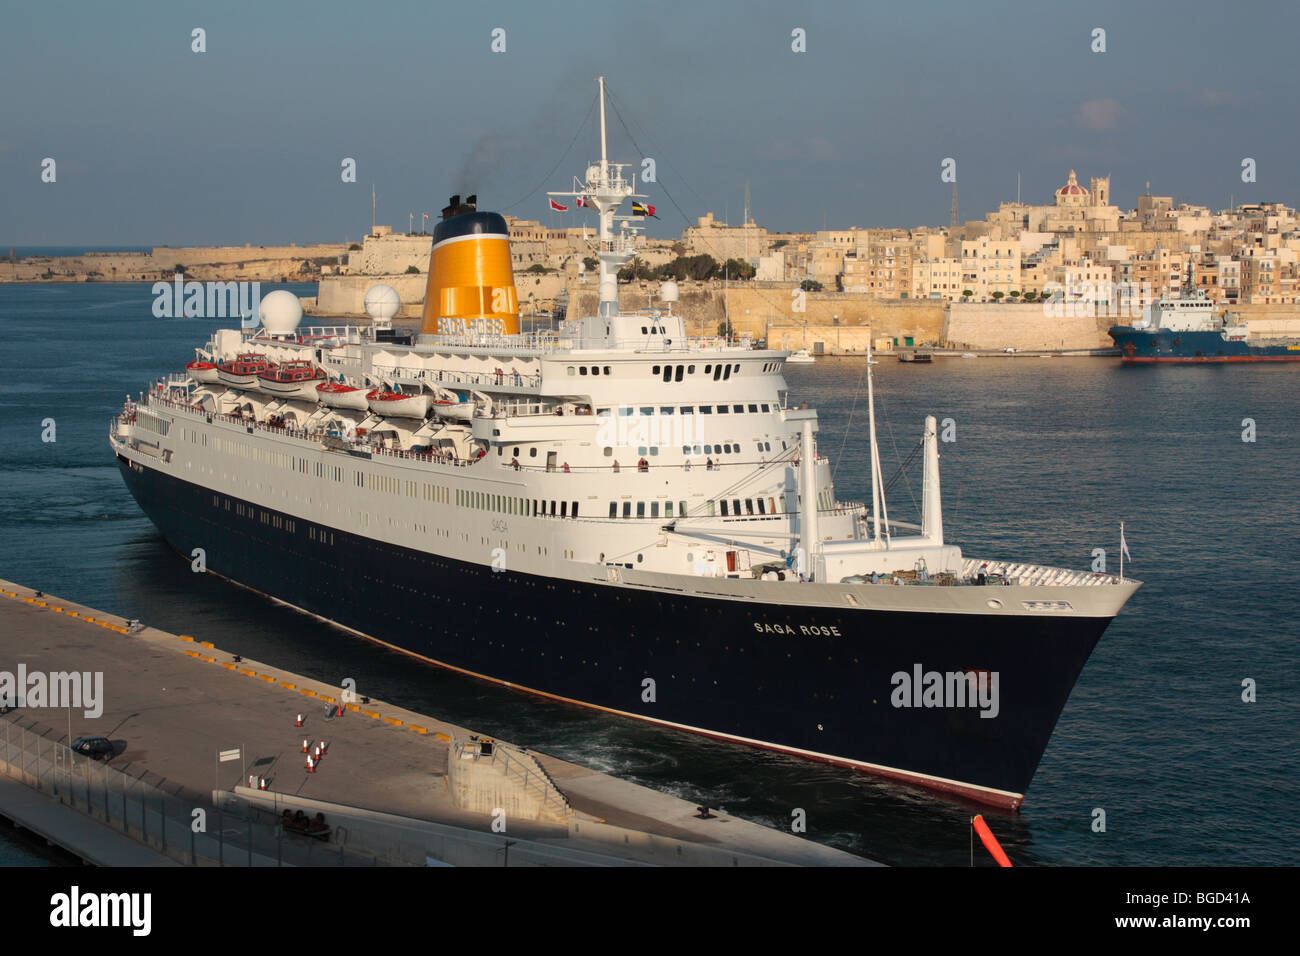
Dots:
pixel 99 748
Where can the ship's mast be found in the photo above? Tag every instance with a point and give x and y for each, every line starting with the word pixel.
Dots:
pixel 604 160
pixel 604 190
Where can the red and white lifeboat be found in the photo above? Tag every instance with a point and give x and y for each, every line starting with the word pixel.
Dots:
pixel 293 380
pixel 202 371
pixel 338 395
pixel 399 404
pixel 243 370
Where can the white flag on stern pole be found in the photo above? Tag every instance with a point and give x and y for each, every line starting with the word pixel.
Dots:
pixel 1123 544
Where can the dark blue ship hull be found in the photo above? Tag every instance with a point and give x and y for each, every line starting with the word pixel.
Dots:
pixel 1163 345
pixel 811 681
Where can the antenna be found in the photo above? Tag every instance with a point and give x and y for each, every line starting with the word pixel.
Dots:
pixel 952 215
pixel 604 162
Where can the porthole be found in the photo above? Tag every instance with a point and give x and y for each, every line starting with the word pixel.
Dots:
pixel 993 603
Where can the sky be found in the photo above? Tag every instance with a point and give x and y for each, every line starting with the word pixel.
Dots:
pixel 156 144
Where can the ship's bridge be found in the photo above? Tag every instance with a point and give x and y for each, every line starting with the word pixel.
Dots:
pixel 649 330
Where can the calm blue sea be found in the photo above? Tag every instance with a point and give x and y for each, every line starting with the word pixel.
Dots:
pixel 1051 454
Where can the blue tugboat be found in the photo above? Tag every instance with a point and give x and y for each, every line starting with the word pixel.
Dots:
pixel 1187 329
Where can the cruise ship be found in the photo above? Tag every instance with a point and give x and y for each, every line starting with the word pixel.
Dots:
pixel 612 514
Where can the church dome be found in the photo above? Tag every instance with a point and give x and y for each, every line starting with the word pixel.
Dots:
pixel 1071 193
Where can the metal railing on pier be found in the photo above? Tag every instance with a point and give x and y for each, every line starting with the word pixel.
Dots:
pixel 154 811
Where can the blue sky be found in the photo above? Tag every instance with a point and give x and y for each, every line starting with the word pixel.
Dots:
pixel 157 144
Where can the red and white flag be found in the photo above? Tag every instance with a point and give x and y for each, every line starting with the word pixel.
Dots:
pixel 557 207
pixel 426 215
pixel 582 200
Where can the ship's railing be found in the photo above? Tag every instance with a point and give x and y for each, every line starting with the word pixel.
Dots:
pixel 503 377
pixel 434 458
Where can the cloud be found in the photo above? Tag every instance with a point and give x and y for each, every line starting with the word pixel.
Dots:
pixel 1100 114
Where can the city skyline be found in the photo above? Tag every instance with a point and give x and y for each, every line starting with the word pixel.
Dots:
pixel 243 142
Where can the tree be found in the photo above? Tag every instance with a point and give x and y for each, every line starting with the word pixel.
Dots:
pixel 998 295
pixel 178 268
pixel 726 330
pixel 811 285
pixel 1030 296
pixel 590 263
pixel 699 267
pixel 537 267
pixel 738 269
pixel 1014 293
pixel 355 247
pixel 412 270
pixel 678 248
pixel 966 294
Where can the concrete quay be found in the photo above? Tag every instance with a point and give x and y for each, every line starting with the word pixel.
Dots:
pixel 171 703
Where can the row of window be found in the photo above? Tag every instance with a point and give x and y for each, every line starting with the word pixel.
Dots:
pixel 735 507
pixel 627 411
pixel 242 510
pixel 511 505
pixel 675 373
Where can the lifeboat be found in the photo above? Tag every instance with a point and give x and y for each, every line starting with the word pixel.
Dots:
pixel 399 404
pixel 460 411
pixel 243 370
pixel 338 395
pixel 202 371
pixel 293 380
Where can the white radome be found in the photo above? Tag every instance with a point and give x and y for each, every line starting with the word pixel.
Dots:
pixel 281 312
pixel 382 302
pixel 668 291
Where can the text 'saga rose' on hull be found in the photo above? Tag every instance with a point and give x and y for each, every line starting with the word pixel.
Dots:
pixel 611 514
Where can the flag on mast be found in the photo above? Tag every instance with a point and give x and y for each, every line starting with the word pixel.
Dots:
pixel 582 200
pixel 557 207
pixel 1123 544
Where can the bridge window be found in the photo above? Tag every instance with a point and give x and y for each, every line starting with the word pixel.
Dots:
pixel 678 376
pixel 726 372
pixel 690 370
pixel 753 408
pixel 740 409
pixel 668 373
pixel 573 509
pixel 668 509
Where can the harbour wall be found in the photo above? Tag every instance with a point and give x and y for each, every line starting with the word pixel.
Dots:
pixel 202 263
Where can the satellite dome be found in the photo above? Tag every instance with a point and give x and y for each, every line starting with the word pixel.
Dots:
pixel 382 302
pixel 668 291
pixel 281 312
